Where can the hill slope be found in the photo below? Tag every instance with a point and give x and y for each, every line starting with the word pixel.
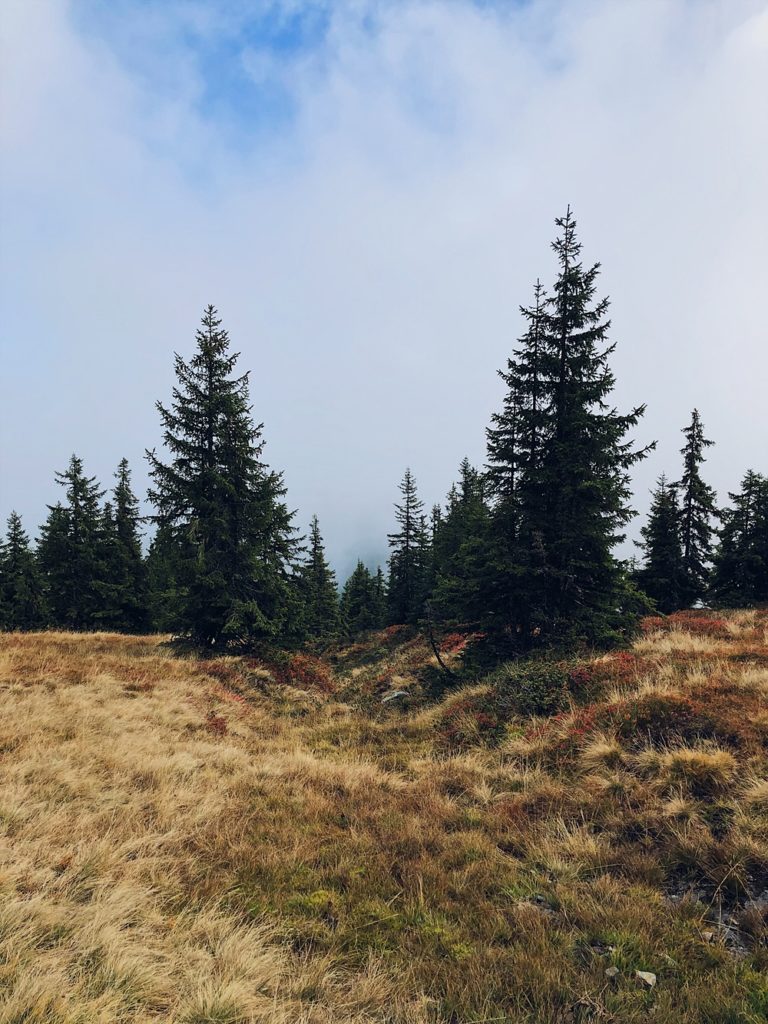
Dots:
pixel 228 841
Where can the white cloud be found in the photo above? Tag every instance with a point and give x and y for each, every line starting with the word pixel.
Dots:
pixel 369 257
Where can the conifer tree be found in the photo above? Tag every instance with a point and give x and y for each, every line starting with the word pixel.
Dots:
pixel 51 555
pixel 463 551
pixel 697 510
pixel 379 600
pixel 124 588
pixel 554 575
pixel 408 567
pixel 319 591
pixel 740 576
pixel 21 596
pixel 71 551
pixel 585 466
pixel 222 506
pixel 662 576
pixel 358 602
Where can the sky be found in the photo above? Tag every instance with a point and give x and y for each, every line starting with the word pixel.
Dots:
pixel 366 189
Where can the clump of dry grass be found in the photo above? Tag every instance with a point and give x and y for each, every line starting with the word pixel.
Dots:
pixel 702 772
pixel 756 794
pixel 208 841
pixel 602 752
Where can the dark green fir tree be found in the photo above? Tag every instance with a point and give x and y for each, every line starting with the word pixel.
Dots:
pixel 662 575
pixel 319 592
pixel 71 552
pixel 379 599
pixel 409 559
pixel 222 506
pixel 697 514
pixel 358 602
pixel 562 452
pixel 124 589
pixel 584 469
pixel 462 551
pixel 740 576
pixel 21 594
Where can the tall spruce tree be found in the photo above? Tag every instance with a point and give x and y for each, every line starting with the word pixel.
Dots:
pixel 71 551
pixel 697 511
pixel 740 576
pixel 358 602
pixel 124 589
pixel 662 575
pixel 585 465
pixel 555 576
pixel 51 556
pixel 221 504
pixel 379 599
pixel 408 565
pixel 21 595
pixel 319 590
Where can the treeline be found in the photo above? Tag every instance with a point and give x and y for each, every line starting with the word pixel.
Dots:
pixel 522 552
pixel 694 551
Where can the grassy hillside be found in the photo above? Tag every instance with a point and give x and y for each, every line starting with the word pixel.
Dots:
pixel 230 841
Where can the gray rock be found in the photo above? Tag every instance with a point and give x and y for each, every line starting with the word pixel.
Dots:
pixel 394 696
pixel 647 978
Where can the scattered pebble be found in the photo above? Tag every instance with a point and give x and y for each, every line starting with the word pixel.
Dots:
pixel 647 977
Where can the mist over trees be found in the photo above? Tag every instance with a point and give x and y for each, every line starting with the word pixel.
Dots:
pixel 522 553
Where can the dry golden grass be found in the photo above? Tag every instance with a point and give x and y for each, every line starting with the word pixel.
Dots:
pixel 116 790
pixel 192 841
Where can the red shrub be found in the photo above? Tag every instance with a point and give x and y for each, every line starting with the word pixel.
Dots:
pixel 652 624
pixel 305 672
pixel 589 678
pixel 471 720
pixel 581 678
pixel 453 643
pixel 700 623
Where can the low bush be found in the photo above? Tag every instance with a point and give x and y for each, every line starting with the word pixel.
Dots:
pixel 534 688
pixel 659 718
pixel 302 671
pixel 469 718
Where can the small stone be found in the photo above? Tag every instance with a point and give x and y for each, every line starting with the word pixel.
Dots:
pixel 647 977
pixel 611 972
pixel 393 696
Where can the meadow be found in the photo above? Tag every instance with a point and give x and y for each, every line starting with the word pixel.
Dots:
pixel 285 840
